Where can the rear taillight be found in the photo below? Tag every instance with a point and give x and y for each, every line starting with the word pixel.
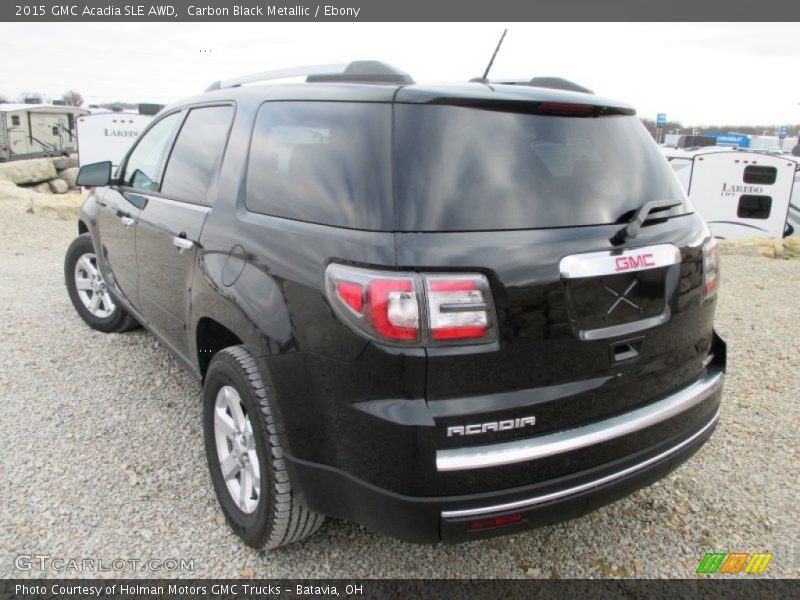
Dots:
pixel 710 268
pixel 415 309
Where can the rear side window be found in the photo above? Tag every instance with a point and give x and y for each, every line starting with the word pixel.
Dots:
pixel 469 169
pixel 754 207
pixel 194 158
pixel 143 166
pixel 322 162
pixel 760 174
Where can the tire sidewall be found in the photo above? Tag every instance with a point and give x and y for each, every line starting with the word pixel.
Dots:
pixel 80 246
pixel 249 527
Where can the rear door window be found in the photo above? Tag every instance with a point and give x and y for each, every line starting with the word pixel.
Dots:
pixel 469 169
pixel 196 153
pixel 322 162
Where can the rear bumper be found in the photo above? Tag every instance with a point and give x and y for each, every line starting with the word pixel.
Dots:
pixel 447 518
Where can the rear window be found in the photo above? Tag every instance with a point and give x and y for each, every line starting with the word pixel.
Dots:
pixel 760 175
pixel 468 169
pixel 322 162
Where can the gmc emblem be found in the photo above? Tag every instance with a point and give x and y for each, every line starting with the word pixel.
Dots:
pixel 626 263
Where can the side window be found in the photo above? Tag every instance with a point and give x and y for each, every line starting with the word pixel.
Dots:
pixel 200 143
pixel 141 170
pixel 322 162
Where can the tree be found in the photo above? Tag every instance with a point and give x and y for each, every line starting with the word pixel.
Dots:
pixel 3 99
pixel 72 98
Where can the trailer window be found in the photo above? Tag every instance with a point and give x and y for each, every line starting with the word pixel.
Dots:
pixel 754 207
pixel 760 174
pixel 15 119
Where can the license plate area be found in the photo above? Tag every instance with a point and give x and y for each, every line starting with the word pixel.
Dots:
pixel 619 292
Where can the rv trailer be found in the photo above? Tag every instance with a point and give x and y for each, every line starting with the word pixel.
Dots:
pixel 31 130
pixel 108 135
pixel 740 193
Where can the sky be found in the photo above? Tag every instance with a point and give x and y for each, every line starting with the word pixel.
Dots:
pixel 696 73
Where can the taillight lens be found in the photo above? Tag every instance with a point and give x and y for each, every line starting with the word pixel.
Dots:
pixel 458 307
pixel 710 268
pixel 389 306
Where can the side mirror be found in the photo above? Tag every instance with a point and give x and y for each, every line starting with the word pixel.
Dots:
pixel 95 174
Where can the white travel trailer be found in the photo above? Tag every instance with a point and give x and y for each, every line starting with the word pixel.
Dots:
pixel 30 130
pixel 108 135
pixel 740 193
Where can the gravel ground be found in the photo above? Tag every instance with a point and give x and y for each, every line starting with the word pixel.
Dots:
pixel 102 452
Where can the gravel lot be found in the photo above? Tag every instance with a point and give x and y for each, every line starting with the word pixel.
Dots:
pixel 102 452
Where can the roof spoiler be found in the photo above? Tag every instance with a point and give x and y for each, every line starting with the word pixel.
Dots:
pixel 555 83
pixel 357 71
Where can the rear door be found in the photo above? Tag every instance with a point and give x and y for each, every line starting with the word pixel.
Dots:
pixel 120 206
pixel 170 223
pixel 531 199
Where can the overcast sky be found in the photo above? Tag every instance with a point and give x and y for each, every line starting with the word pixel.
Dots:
pixel 699 73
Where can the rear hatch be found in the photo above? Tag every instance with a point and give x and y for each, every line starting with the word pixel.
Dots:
pixel 529 194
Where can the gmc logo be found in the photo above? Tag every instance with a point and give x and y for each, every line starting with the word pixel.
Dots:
pixel 626 263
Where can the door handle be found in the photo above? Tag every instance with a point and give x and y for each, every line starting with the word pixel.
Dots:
pixel 182 244
pixel 127 222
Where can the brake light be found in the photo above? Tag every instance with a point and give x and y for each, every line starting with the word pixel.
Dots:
pixel 710 268
pixel 388 306
pixel 566 108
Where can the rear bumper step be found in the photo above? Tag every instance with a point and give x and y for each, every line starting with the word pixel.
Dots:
pixel 589 485
pixel 561 442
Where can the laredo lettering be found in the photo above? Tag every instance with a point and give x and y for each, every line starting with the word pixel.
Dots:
pixel 732 188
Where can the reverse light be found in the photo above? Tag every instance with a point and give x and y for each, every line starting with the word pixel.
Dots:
pixel 414 309
pixel 710 268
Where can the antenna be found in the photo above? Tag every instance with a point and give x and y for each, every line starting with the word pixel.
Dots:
pixel 491 62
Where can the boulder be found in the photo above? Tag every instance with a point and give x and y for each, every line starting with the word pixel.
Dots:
pixel 58 186
pixel 34 170
pixel 61 206
pixel 42 188
pixel 65 162
pixel 69 175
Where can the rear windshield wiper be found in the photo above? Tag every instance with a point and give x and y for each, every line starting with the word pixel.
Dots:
pixel 631 230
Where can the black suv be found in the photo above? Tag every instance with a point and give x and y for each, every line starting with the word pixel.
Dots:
pixel 443 311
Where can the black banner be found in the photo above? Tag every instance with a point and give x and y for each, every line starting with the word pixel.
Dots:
pixel 395 10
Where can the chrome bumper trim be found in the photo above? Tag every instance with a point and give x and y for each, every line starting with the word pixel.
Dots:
pixel 528 502
pixel 569 440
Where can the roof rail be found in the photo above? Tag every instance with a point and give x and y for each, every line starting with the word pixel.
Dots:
pixel 556 83
pixel 358 71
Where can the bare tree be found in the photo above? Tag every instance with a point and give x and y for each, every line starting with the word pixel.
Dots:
pixel 3 99
pixel 72 98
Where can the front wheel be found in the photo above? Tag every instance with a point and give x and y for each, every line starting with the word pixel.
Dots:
pixel 245 457
pixel 88 292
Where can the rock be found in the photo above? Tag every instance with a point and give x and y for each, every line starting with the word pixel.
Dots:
pixel 58 186
pixel 60 206
pixel 69 175
pixel 41 188
pixel 65 162
pixel 28 171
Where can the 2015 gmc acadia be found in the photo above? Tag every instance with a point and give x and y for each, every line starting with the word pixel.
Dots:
pixel 442 311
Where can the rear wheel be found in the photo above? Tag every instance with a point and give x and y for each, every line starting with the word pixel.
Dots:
pixel 88 292
pixel 245 457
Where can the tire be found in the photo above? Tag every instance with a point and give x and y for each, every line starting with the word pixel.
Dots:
pixel 256 497
pixel 85 285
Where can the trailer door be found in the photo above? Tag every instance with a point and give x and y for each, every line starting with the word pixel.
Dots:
pixel 742 194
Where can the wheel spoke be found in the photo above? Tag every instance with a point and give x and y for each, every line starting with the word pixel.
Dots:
pixel 245 488
pixel 222 422
pixel 230 467
pixel 87 265
pixel 83 283
pixel 254 477
pixel 95 302
pixel 235 406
